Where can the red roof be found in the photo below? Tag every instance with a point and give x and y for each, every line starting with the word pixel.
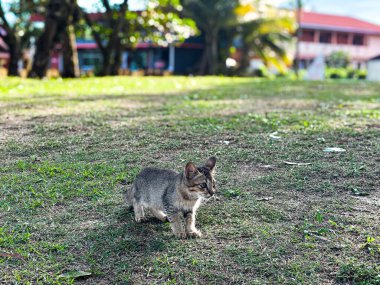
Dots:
pixel 40 18
pixel 337 23
pixel 37 18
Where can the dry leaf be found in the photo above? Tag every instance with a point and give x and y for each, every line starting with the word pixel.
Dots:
pixel 334 149
pixel 274 136
pixel 265 199
pixel 75 274
pixel 297 163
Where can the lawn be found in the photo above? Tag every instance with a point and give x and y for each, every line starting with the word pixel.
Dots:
pixel 70 148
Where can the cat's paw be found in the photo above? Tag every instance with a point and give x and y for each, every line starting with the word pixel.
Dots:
pixel 141 219
pixel 181 235
pixel 195 234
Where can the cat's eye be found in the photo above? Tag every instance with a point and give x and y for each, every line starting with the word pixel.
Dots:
pixel 203 185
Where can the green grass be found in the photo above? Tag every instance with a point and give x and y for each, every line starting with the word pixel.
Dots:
pixel 69 148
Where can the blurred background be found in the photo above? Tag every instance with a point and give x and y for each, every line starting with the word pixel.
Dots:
pixel 266 38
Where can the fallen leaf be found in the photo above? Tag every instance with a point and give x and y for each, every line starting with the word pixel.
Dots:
pixel 11 255
pixel 321 238
pixel 297 163
pixel 265 199
pixel 75 274
pixel 274 136
pixel 357 192
pixel 334 149
pixel 266 166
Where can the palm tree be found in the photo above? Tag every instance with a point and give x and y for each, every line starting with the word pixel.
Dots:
pixel 267 39
pixel 299 34
pixel 211 16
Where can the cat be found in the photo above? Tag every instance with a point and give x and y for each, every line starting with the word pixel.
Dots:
pixel 172 196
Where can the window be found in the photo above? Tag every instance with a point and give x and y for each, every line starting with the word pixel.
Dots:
pixel 325 37
pixel 307 36
pixel 358 40
pixel 342 38
pixel 90 60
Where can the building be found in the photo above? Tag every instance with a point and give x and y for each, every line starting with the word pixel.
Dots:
pixel 4 55
pixel 145 58
pixel 374 69
pixel 322 34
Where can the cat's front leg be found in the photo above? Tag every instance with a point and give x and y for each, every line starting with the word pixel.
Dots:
pixel 177 223
pixel 191 230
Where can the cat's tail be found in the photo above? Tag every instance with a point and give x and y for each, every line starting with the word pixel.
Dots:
pixel 129 195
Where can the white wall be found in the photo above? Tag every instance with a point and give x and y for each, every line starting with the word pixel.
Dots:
pixel 357 53
pixel 373 69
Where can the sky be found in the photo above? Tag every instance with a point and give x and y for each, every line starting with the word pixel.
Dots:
pixel 133 4
pixel 368 10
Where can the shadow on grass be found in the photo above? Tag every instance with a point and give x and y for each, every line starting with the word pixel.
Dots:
pixel 125 246
pixel 284 89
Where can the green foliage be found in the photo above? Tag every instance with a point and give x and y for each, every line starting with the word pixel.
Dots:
pixel 21 27
pixel 362 74
pixel 160 23
pixel 211 14
pixel 358 274
pixel 232 193
pixel 338 59
pixel 320 226
pixel 372 244
pixel 266 38
pixel 336 73
pixel 345 73
pixel 213 18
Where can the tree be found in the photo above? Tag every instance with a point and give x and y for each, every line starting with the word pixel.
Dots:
pixel 265 32
pixel 266 38
pixel 338 59
pixel 299 5
pixel 119 28
pixel 60 16
pixel 18 32
pixel 211 16
pixel 108 32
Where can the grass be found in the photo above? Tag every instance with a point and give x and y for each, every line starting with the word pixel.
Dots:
pixel 69 148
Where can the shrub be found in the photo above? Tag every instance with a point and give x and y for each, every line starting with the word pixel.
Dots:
pixel 361 74
pixel 338 59
pixel 351 73
pixel 336 73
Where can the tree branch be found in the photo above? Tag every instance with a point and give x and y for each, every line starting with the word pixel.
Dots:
pixel 106 5
pixel 95 34
pixel 5 22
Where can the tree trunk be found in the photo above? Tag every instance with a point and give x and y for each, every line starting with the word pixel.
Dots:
pixel 111 53
pixel 212 50
pixel 214 53
pixel 60 14
pixel 117 59
pixel 244 62
pixel 13 42
pixel 70 54
pixel 44 46
pixel 204 61
pixel 14 56
pixel 106 64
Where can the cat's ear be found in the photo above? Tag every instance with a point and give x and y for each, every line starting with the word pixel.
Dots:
pixel 190 170
pixel 210 164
